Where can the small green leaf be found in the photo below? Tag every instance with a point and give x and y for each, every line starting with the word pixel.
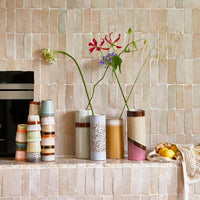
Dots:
pixel 116 61
pixel 145 42
pixel 134 45
pixel 127 50
pixel 129 31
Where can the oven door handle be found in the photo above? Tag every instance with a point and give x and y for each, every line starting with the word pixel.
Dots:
pixel 4 95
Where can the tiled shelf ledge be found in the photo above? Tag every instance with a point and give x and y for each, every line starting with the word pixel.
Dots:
pixel 76 179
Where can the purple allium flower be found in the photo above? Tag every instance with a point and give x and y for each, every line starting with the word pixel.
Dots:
pixel 107 60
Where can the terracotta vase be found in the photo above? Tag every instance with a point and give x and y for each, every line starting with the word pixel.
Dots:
pixel 114 138
pixel 136 135
pixel 82 133
pixel 98 137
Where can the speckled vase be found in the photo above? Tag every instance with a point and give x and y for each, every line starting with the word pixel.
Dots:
pixel 82 133
pixel 136 135
pixel 98 137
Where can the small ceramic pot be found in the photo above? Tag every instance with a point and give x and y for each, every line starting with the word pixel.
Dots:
pixel 33 156
pixel 33 136
pixel 98 137
pixel 21 133
pixel 20 156
pixel 48 140
pixel 48 128
pixel 47 108
pixel 33 147
pixel 21 145
pixel 47 120
pixel 33 123
pixel 48 157
pixel 34 108
pixel 48 149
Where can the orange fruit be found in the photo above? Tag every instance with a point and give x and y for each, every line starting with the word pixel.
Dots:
pixel 174 148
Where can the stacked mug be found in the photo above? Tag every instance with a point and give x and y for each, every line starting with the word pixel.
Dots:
pixel 48 130
pixel 33 138
pixel 21 143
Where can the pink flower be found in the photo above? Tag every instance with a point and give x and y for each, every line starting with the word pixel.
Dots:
pixel 95 46
pixel 112 44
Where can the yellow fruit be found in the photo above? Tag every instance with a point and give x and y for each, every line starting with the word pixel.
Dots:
pixel 161 150
pixel 174 148
pixel 167 153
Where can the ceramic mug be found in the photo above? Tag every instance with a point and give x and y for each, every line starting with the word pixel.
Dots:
pixel 48 140
pixel 47 149
pixel 34 108
pixel 47 120
pixel 33 156
pixel 47 108
pixel 48 128
pixel 20 156
pixel 33 136
pixel 33 147
pixel 48 157
pixel 21 133
pixel 33 123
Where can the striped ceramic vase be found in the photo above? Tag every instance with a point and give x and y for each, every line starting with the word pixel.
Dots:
pixel 82 133
pixel 136 135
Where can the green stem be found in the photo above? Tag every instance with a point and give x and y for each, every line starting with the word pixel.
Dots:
pixel 128 46
pixel 121 91
pixel 79 69
pixel 96 85
pixel 149 54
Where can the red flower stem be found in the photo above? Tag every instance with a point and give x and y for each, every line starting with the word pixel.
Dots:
pixel 79 69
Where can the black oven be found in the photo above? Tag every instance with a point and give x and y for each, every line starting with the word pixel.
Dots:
pixel 16 91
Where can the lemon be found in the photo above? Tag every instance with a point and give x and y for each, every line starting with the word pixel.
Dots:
pixel 165 152
pixel 161 150
pixel 174 148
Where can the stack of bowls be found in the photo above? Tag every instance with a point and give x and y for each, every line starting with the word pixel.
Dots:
pixel 21 143
pixel 33 138
pixel 48 130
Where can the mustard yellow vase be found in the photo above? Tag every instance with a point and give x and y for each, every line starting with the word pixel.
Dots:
pixel 114 138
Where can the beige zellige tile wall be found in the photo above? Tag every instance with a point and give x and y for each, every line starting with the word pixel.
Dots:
pixel 168 89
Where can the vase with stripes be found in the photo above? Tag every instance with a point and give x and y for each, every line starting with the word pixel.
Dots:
pixel 82 133
pixel 136 135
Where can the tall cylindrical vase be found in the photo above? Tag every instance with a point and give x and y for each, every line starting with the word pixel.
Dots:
pixel 114 138
pixel 136 135
pixel 82 133
pixel 98 137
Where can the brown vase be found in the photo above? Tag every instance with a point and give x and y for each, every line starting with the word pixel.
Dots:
pixel 114 138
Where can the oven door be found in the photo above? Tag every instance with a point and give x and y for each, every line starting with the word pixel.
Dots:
pixel 14 108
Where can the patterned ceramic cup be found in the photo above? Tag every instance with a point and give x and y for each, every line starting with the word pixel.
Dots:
pixel 33 147
pixel 48 157
pixel 48 128
pixel 21 133
pixel 33 136
pixel 48 149
pixel 34 108
pixel 33 156
pixel 20 156
pixel 47 120
pixel 33 123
